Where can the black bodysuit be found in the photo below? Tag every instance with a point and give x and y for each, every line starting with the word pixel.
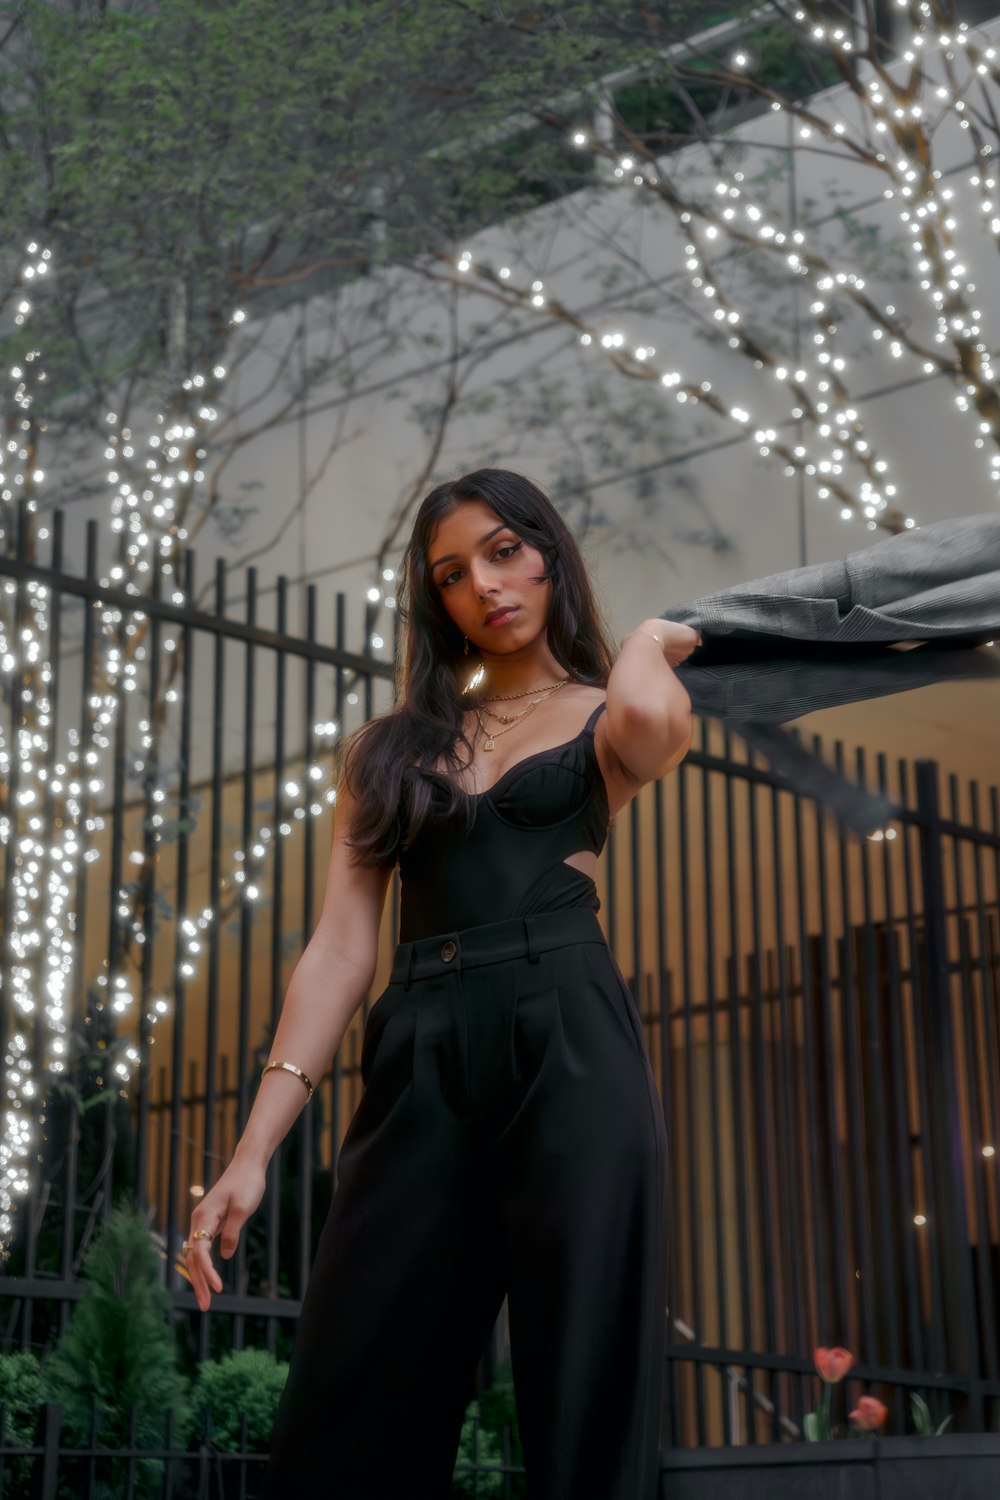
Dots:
pixel 509 1143
pixel 545 807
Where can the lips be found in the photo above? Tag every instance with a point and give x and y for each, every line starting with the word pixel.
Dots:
pixel 498 616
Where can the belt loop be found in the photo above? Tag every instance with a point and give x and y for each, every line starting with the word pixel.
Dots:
pixel 409 965
pixel 529 937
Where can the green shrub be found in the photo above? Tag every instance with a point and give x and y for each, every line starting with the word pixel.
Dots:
pixel 248 1380
pixel 118 1352
pixel 497 1410
pixel 477 1446
pixel 21 1397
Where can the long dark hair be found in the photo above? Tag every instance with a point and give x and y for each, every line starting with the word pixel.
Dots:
pixel 426 725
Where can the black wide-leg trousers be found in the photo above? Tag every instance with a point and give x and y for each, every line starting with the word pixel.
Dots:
pixel 509 1141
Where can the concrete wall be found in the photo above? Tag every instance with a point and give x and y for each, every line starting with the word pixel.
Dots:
pixel 668 501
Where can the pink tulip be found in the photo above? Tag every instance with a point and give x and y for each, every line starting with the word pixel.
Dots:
pixel 870 1413
pixel 832 1364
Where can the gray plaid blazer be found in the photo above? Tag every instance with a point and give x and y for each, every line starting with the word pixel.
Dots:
pixel 826 634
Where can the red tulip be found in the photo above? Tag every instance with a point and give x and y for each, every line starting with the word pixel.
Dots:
pixel 869 1413
pixel 832 1364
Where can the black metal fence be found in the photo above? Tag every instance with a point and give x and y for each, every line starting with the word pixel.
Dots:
pixel 200 1470
pixel 821 1014
pixel 224 715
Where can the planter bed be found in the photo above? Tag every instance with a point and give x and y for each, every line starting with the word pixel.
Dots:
pixel 954 1466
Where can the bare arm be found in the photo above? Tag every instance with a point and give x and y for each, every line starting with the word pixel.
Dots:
pixel 327 987
pixel 648 707
pixel 330 981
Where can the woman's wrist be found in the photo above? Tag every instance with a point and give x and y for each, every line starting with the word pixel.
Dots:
pixel 675 641
pixel 652 629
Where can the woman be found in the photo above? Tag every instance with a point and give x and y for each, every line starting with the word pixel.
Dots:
pixel 509 1139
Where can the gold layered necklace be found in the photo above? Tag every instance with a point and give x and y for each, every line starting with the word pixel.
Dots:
pixel 512 720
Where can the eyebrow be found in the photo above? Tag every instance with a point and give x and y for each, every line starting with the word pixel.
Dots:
pixel 450 557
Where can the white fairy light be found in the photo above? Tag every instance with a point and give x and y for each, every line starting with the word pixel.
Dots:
pixel 921 206
pixel 43 908
pixel 40 894
pixel 843 432
pixel 144 517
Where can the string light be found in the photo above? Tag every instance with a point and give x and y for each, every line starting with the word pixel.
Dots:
pixel 836 421
pixel 144 505
pixel 41 827
pixel 817 388
pixel 149 486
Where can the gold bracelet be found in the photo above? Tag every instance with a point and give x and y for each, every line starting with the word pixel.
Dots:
pixel 291 1068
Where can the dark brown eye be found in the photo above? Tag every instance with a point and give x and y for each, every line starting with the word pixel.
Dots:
pixel 507 550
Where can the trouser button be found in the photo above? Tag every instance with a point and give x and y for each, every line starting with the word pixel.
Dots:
pixel 448 951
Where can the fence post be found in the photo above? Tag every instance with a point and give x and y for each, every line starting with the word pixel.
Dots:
pixel 46 1476
pixel 944 1128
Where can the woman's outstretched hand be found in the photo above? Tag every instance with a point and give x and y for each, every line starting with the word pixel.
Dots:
pixel 223 1210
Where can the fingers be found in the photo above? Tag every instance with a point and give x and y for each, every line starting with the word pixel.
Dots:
pixel 229 1241
pixel 680 652
pixel 682 640
pixel 222 1214
pixel 202 1274
pixel 198 1262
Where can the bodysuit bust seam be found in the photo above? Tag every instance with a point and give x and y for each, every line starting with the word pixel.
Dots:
pixel 547 827
pixel 583 733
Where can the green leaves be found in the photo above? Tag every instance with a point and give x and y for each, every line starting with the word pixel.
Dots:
pixel 246 1382
pixel 193 154
pixel 20 1398
pixel 922 1419
pixel 812 1427
pixel 477 1447
pixel 118 1351
pixel 817 1424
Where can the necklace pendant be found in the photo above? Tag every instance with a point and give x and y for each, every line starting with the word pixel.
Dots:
pixel 489 743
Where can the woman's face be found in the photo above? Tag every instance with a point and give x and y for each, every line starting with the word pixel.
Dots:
pixel 477 564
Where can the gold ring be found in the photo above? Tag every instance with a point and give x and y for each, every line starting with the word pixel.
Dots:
pixel 202 1234
pixel 184 1249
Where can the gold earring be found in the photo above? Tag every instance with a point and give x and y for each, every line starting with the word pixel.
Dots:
pixel 466 639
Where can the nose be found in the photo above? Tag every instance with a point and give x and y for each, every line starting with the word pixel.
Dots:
pixel 481 580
